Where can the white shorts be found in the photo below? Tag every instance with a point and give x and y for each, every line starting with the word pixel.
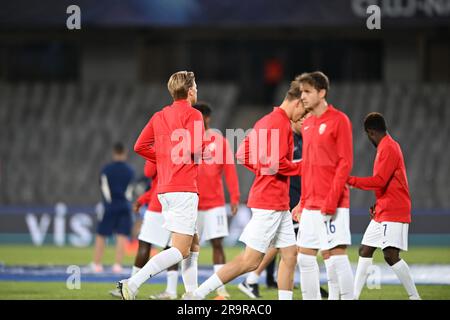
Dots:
pixel 317 231
pixel 180 211
pixel 386 234
pixel 212 223
pixel 269 228
pixel 152 230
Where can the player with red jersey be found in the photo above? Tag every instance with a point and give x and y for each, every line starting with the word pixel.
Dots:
pixel 327 160
pixel 173 138
pixel 391 214
pixel 152 233
pixel 212 215
pixel 268 152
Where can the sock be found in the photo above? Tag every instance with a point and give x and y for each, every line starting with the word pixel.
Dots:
pixel 155 265
pixel 361 275
pixel 285 295
pixel 401 269
pixel 172 282
pixel 309 276
pixel 189 272
pixel 252 278
pixel 221 291
pixel 211 284
pixel 345 276
pixel 134 270
pixel 333 283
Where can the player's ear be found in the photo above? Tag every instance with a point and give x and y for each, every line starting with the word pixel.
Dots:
pixel 322 93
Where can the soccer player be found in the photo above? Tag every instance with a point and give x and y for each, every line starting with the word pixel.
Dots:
pixel 326 165
pixel 267 151
pixel 391 214
pixel 151 233
pixel 212 216
pixel 115 182
pixel 173 138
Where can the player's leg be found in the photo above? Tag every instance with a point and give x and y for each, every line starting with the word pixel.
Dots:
pixel 213 225
pixel 250 286
pixel 286 271
pixel 364 263
pixel 270 273
pixel 121 242
pixel 309 273
pixel 370 242
pixel 189 265
pixel 257 235
pixel 143 253
pixel 332 279
pixel 341 265
pixel 180 214
pixel 401 269
pixel 308 243
pixel 395 238
pixel 142 256
pixel 337 238
pixel 172 283
pixel 243 263
pixel 99 249
pixel 105 229
pixel 285 240
pixel 219 261
pixel 122 229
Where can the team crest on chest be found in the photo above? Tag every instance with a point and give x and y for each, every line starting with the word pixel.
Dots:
pixel 322 128
pixel 212 147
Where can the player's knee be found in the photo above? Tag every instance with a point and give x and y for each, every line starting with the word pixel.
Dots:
pixel 307 263
pixel 250 266
pixel 185 252
pixel 391 258
pixel 144 250
pixel 216 244
pixel 365 252
pixel 290 261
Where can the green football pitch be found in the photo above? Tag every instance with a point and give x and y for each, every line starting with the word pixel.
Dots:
pixel 15 255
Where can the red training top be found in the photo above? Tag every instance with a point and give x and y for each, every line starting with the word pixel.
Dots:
pixel 173 138
pixel 327 161
pixel 150 197
pixel 390 183
pixel 257 152
pixel 210 186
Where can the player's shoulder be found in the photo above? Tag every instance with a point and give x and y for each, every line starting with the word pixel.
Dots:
pixel 392 144
pixel 339 114
pixel 194 112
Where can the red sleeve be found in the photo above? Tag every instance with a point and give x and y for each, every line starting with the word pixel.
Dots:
pixel 344 166
pixel 245 156
pixel 386 165
pixel 150 169
pixel 145 197
pixel 144 145
pixel 231 177
pixel 285 166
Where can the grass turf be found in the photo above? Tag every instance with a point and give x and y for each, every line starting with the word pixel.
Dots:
pixel 52 255
pixel 99 291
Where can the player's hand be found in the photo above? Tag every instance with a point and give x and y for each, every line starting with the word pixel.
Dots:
pixel 136 206
pixel 234 208
pixel 296 214
pixel 372 212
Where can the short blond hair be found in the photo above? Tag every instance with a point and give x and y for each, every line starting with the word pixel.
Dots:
pixel 294 91
pixel 180 83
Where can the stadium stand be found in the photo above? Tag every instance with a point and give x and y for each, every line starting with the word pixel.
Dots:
pixel 62 134
pixel 48 122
